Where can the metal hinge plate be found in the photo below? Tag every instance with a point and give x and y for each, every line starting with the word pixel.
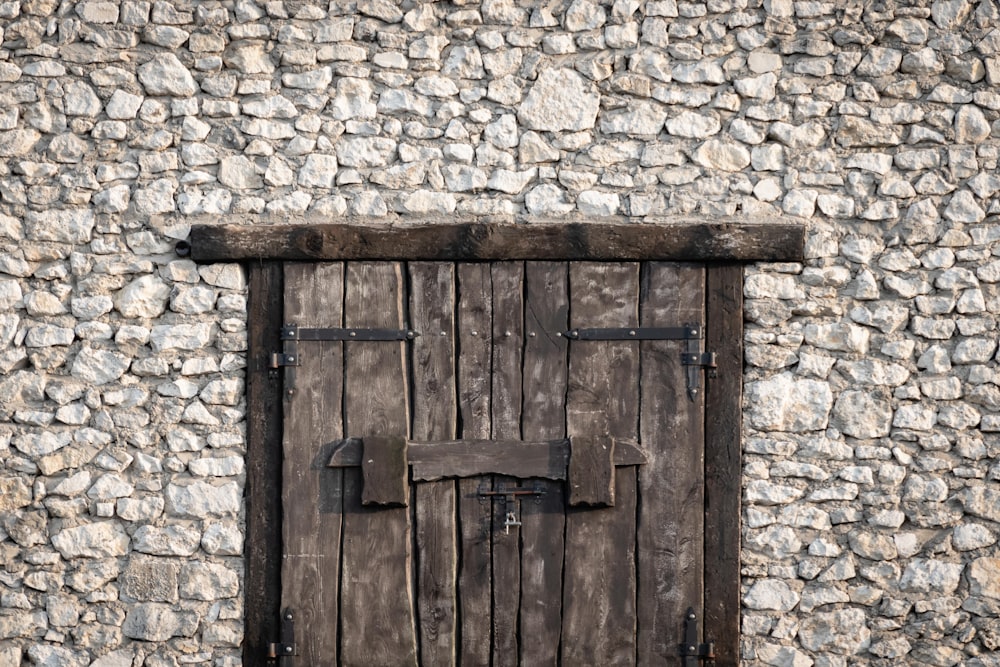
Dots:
pixel 692 652
pixel 284 650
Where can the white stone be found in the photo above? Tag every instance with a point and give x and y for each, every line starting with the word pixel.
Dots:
pixel 106 539
pixel 547 199
pixel 207 581
pixel 560 99
pixel 180 336
pixel 165 75
pixel 595 203
pixel 318 171
pixel 843 631
pixel 694 125
pixel 99 366
pixel 783 403
pixel 772 595
pixel 158 622
pixel 862 414
pixel 123 105
pixel 201 499
pixel 166 541
pixel 722 155
pixel 969 536
pixel 145 297
pixel 931 577
pixel 427 201
pixel 365 152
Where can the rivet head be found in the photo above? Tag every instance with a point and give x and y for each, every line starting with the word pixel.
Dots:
pixel 353 334
pixel 531 335
pixel 288 617
pixel 475 333
pixel 288 649
pixel 631 332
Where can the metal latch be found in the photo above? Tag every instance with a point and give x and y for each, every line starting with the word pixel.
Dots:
pixel 284 650
pixel 691 651
pixel 511 497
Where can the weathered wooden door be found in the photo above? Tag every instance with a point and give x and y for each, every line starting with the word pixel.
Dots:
pixel 530 446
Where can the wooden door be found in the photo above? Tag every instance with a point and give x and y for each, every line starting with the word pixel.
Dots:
pixel 403 542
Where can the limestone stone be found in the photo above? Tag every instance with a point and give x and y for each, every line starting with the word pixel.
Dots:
pixel 777 655
pixel 980 502
pixel 428 202
pixel 177 540
pixel 165 75
pixel 157 622
pixel 843 631
pixel 762 492
pixel 47 655
pixel 694 125
pixel 547 199
pixel 14 493
pixel 862 414
pixel 61 226
pixel 841 337
pixel 99 366
pixel 222 538
pixel 931 577
pixel 145 297
pixel 771 594
pixel 146 579
pixel 721 155
pixel 207 581
pixel 784 403
pixel 560 99
pixel 202 499
pixel 92 540
pixel 873 546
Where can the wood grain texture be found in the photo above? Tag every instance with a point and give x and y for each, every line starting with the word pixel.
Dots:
pixel 432 311
pixel 723 464
pixel 508 336
pixel 546 309
pixel 441 459
pixel 599 616
pixel 378 624
pixel 671 428
pixel 385 471
pixel 311 492
pixel 457 241
pixel 264 433
pixel 591 475
pixel 475 315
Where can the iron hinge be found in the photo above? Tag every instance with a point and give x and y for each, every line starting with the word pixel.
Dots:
pixel 284 650
pixel 282 359
pixel 686 332
pixel 692 652
pixel 294 332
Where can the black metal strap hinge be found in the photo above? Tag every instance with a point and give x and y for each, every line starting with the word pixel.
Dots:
pixel 694 359
pixel 686 332
pixel 291 334
pixel 284 650
pixel 294 332
pixel 692 652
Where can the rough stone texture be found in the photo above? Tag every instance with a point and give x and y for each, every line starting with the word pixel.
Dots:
pixel 872 390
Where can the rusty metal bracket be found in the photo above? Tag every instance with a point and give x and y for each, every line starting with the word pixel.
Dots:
pixel 692 652
pixel 284 651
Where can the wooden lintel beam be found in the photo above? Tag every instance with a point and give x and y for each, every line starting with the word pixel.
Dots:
pixel 473 241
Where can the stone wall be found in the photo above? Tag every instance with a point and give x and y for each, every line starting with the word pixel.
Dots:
pixel 872 503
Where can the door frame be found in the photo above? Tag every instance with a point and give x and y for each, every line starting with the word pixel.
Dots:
pixel 722 246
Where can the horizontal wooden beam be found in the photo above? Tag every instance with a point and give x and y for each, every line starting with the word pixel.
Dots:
pixel 471 241
pixel 430 461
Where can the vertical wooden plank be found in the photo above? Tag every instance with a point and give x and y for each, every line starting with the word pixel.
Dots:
pixel 508 336
pixel 311 492
pixel 378 625
pixel 591 474
pixel 262 587
pixel 475 315
pixel 546 312
pixel 723 465
pixel 671 485
pixel 599 616
pixel 432 313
